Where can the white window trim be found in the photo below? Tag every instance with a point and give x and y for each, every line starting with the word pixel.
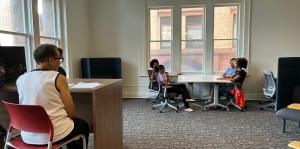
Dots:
pixel 243 27
pixel 32 34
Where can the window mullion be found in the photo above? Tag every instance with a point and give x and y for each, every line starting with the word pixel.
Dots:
pixel 47 37
pixel 35 22
pixel 28 32
pixel 209 32
pixel 57 22
pixel 176 49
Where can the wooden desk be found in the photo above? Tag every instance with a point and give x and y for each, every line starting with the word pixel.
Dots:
pixel 101 107
pixel 205 78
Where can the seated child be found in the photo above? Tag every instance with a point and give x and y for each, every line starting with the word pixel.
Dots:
pixel 231 70
pixel 229 73
pixel 176 88
pixel 238 77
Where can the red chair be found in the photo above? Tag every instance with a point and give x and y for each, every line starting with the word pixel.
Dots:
pixel 32 118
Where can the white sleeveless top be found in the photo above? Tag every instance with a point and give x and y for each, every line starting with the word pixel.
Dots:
pixel 39 88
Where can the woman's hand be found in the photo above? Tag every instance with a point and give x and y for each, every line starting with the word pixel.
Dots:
pixel 221 78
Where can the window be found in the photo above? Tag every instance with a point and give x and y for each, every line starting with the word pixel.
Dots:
pixel 197 36
pixel 12 24
pixel 22 26
pixel 161 36
pixel 192 26
pixel 225 41
pixel 47 21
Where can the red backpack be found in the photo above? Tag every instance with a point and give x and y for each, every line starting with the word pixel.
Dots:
pixel 240 98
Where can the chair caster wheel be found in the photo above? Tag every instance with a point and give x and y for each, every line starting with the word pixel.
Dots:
pixel 153 107
pixel 177 110
pixel 160 111
pixel 261 109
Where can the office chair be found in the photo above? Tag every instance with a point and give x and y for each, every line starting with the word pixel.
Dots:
pixel 166 97
pixel 32 118
pixel 269 89
pixel 152 88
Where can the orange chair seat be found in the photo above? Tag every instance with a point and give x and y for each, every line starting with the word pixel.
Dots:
pixel 294 144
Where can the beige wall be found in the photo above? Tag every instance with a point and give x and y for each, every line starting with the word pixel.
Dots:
pixel 275 33
pixel 78 34
pixel 117 31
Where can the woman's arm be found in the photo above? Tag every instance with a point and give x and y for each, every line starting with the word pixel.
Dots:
pixel 152 75
pixel 163 79
pixel 164 82
pixel 65 95
pixel 235 78
pixel 168 77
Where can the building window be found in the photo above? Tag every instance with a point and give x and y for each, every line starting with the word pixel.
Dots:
pixel 161 36
pixel 192 27
pixel 47 22
pixel 197 37
pixel 225 41
pixel 22 26
pixel 12 23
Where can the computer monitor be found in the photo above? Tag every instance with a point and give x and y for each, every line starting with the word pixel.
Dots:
pixel 296 93
pixel 14 60
pixel 109 68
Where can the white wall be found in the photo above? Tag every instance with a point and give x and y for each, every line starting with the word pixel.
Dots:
pixel 78 34
pixel 275 32
pixel 117 31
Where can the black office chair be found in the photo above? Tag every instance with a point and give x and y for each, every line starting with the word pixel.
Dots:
pixel 269 89
pixel 153 88
pixel 167 97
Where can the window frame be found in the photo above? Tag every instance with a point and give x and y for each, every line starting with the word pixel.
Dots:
pixel 149 41
pixel 243 30
pixel 31 30
pixel 237 39
pixel 203 40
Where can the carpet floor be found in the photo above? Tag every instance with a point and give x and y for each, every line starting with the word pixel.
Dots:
pixel 145 128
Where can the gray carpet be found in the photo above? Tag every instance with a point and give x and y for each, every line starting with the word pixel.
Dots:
pixel 147 128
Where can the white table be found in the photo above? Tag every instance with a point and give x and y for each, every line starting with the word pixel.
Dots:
pixel 205 78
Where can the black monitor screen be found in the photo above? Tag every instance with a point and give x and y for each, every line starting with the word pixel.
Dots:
pixel 101 68
pixel 14 61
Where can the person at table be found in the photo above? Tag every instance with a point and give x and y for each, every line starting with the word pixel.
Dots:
pixel 224 88
pixel 60 69
pixel 151 73
pixel 154 66
pixel 231 70
pixel 176 88
pixel 238 77
pixel 48 88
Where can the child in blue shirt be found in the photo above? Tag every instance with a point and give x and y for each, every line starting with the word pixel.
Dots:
pixel 231 70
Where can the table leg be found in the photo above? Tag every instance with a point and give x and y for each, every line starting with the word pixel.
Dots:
pixel 216 98
pixel 190 88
